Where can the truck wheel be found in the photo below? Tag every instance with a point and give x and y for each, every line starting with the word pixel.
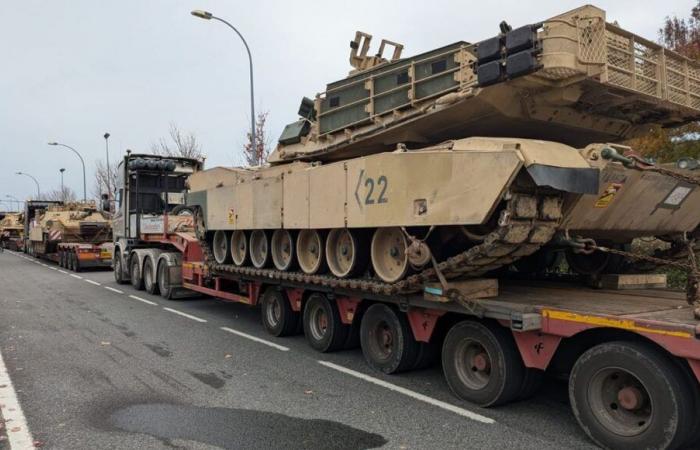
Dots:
pixel 481 363
pixel 72 261
pixel 323 329
pixel 166 291
pixel 135 273
pixel 62 258
pixel 150 283
pixel 532 382
pixel 118 269
pixel 631 395
pixel 387 340
pixel 76 262
pixel 277 315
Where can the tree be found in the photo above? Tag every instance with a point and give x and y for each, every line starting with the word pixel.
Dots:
pixel 65 195
pixel 100 179
pixel 181 144
pixel 258 155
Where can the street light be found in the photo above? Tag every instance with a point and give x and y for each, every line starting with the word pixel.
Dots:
pixel 81 161
pixel 109 190
pixel 63 191
pixel 206 15
pixel 38 191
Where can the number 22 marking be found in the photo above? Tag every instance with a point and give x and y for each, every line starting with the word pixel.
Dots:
pixel 382 183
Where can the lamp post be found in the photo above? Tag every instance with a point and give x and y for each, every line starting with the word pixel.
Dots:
pixel 206 15
pixel 81 161
pixel 109 189
pixel 63 191
pixel 38 190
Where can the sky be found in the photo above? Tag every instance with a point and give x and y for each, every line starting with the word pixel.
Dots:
pixel 73 70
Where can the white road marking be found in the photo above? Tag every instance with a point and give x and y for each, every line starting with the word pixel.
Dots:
pixel 143 300
pixel 93 282
pixel 53 268
pixel 17 429
pixel 415 395
pixel 63 271
pixel 256 339
pixel 76 276
pixel 189 316
pixel 44 265
pixel 114 290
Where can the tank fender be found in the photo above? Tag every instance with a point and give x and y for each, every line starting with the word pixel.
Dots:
pixel 567 179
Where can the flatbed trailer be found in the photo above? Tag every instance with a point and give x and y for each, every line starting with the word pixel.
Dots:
pixel 631 357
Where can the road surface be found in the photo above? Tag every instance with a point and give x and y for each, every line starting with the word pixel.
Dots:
pixel 94 364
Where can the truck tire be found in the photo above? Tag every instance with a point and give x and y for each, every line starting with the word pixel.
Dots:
pixel 163 278
pixel 387 340
pixel 76 262
pixel 118 268
pixel 72 261
pixel 323 329
pixel 481 363
pixel 276 312
pixel 135 273
pixel 61 258
pixel 532 382
pixel 631 395
pixel 150 282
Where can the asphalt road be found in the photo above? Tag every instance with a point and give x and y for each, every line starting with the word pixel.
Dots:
pixel 94 367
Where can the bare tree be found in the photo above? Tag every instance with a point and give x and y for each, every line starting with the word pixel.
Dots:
pixel 100 185
pixel 179 143
pixel 258 155
pixel 65 195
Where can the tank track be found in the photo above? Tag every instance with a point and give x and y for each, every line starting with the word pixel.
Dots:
pixel 528 221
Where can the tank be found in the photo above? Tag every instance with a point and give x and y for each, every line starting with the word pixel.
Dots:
pixel 461 160
pixel 12 230
pixel 78 222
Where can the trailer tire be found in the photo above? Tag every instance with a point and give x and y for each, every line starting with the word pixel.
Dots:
pixel 117 267
pixel 481 363
pixel 61 258
pixel 323 329
pixel 387 340
pixel 276 312
pixel 76 262
pixel 532 382
pixel 72 261
pixel 135 273
pixel 659 411
pixel 150 281
pixel 166 291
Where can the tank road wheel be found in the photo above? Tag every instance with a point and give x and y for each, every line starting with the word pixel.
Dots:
pixel 323 329
pixel 220 247
pixel 388 251
pixel 164 287
pixel 259 249
pixel 135 273
pixel 482 364
pixel 117 267
pixel 387 340
pixel 150 283
pixel 239 248
pixel 344 252
pixel 277 315
pixel 282 249
pixel 310 253
pixel 631 395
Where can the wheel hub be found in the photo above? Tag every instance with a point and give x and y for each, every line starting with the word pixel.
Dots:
pixel 630 398
pixel 480 362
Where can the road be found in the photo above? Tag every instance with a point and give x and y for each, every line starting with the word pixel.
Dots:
pixel 100 365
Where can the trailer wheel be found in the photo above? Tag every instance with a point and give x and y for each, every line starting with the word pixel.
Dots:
pixel 76 262
pixel 631 395
pixel 72 261
pixel 135 273
pixel 166 291
pixel 387 340
pixel 532 382
pixel 481 363
pixel 62 258
pixel 276 312
pixel 150 283
pixel 323 329
pixel 117 267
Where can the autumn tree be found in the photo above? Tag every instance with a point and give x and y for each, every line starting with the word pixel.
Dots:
pixel 178 143
pixel 256 156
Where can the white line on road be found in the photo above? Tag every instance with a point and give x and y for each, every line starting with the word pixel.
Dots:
pixel 114 290
pixel 189 316
pixel 53 268
pixel 256 339
pixel 93 282
pixel 15 423
pixel 63 271
pixel 143 300
pixel 76 276
pixel 415 395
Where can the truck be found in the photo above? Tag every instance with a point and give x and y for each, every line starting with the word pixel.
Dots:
pixel 463 231
pixel 73 234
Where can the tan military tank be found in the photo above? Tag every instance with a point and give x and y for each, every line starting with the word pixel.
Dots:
pixel 73 234
pixel 461 160
pixel 12 230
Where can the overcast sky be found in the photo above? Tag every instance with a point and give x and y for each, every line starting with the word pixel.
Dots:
pixel 72 70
